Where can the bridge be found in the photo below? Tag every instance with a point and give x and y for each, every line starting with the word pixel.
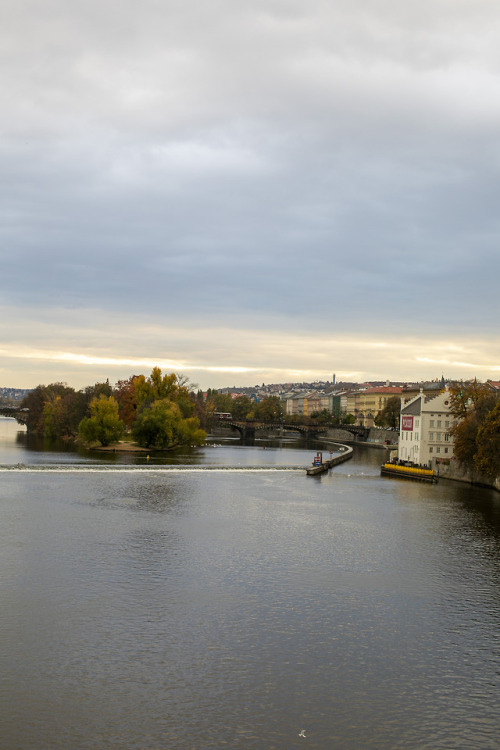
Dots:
pixel 360 432
pixel 249 429
pixel 15 412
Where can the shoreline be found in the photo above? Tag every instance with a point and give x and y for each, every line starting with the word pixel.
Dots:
pixel 121 447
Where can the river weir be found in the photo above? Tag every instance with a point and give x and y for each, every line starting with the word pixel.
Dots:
pixel 224 599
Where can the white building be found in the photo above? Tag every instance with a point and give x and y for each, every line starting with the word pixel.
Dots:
pixel 425 423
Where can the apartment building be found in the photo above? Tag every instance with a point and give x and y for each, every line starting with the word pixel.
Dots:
pixel 308 403
pixel 425 424
pixel 365 405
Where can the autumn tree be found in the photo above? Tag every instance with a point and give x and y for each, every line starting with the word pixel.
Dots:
pixel 104 424
pixel 163 426
pixel 470 403
pixel 471 397
pixel 124 392
pixel 156 387
pixel 487 456
pixel 165 416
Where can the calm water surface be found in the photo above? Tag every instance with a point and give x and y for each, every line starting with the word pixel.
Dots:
pixel 180 605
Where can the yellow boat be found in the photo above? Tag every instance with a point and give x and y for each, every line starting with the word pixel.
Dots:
pixel 407 472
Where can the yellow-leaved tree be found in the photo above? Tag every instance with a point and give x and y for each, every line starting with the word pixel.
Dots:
pixel 104 424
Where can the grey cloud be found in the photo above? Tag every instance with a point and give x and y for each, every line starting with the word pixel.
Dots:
pixel 299 159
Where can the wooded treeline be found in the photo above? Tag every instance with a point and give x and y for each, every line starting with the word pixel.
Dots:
pixel 159 411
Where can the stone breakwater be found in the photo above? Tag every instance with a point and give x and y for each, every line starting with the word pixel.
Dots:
pixel 331 462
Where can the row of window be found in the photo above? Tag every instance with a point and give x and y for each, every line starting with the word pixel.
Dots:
pixel 439 423
pixel 438 437
pixel 409 435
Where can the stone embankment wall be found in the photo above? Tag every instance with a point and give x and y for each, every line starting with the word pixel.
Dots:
pixel 453 470
pixel 376 436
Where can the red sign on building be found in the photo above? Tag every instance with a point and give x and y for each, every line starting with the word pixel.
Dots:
pixel 407 422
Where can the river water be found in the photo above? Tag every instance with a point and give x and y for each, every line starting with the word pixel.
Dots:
pixel 223 599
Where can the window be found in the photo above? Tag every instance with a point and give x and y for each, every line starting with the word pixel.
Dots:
pixel 416 436
pixel 446 437
pixel 438 449
pixel 417 423
pixel 447 423
pixel 446 449
pixel 438 437
pixel 431 423
pixel 430 449
pixel 438 423
pixel 431 436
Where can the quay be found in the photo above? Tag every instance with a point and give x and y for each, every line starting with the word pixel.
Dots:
pixel 320 467
pixel 407 472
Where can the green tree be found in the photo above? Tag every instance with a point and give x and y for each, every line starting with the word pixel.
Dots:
pixel 60 416
pixel 163 426
pixel 298 419
pixel 220 401
pixel 241 406
pixel 96 390
pixel 322 417
pixel 36 400
pixel 104 424
pixel 389 415
pixel 347 419
pixel 214 402
pixel 270 409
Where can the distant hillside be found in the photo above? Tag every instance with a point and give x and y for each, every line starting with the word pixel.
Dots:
pixel 13 395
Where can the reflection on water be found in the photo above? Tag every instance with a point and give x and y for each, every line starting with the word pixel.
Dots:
pixel 210 609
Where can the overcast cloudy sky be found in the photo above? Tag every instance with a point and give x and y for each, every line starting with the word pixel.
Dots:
pixel 272 190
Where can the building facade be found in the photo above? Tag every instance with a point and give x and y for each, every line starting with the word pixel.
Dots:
pixel 308 403
pixel 425 424
pixel 372 401
pixel 365 405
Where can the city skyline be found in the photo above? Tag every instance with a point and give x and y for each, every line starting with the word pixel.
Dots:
pixel 249 193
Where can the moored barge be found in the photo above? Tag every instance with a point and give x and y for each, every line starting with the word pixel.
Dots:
pixel 407 472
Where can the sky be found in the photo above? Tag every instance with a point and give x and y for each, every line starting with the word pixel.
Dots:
pixel 249 192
